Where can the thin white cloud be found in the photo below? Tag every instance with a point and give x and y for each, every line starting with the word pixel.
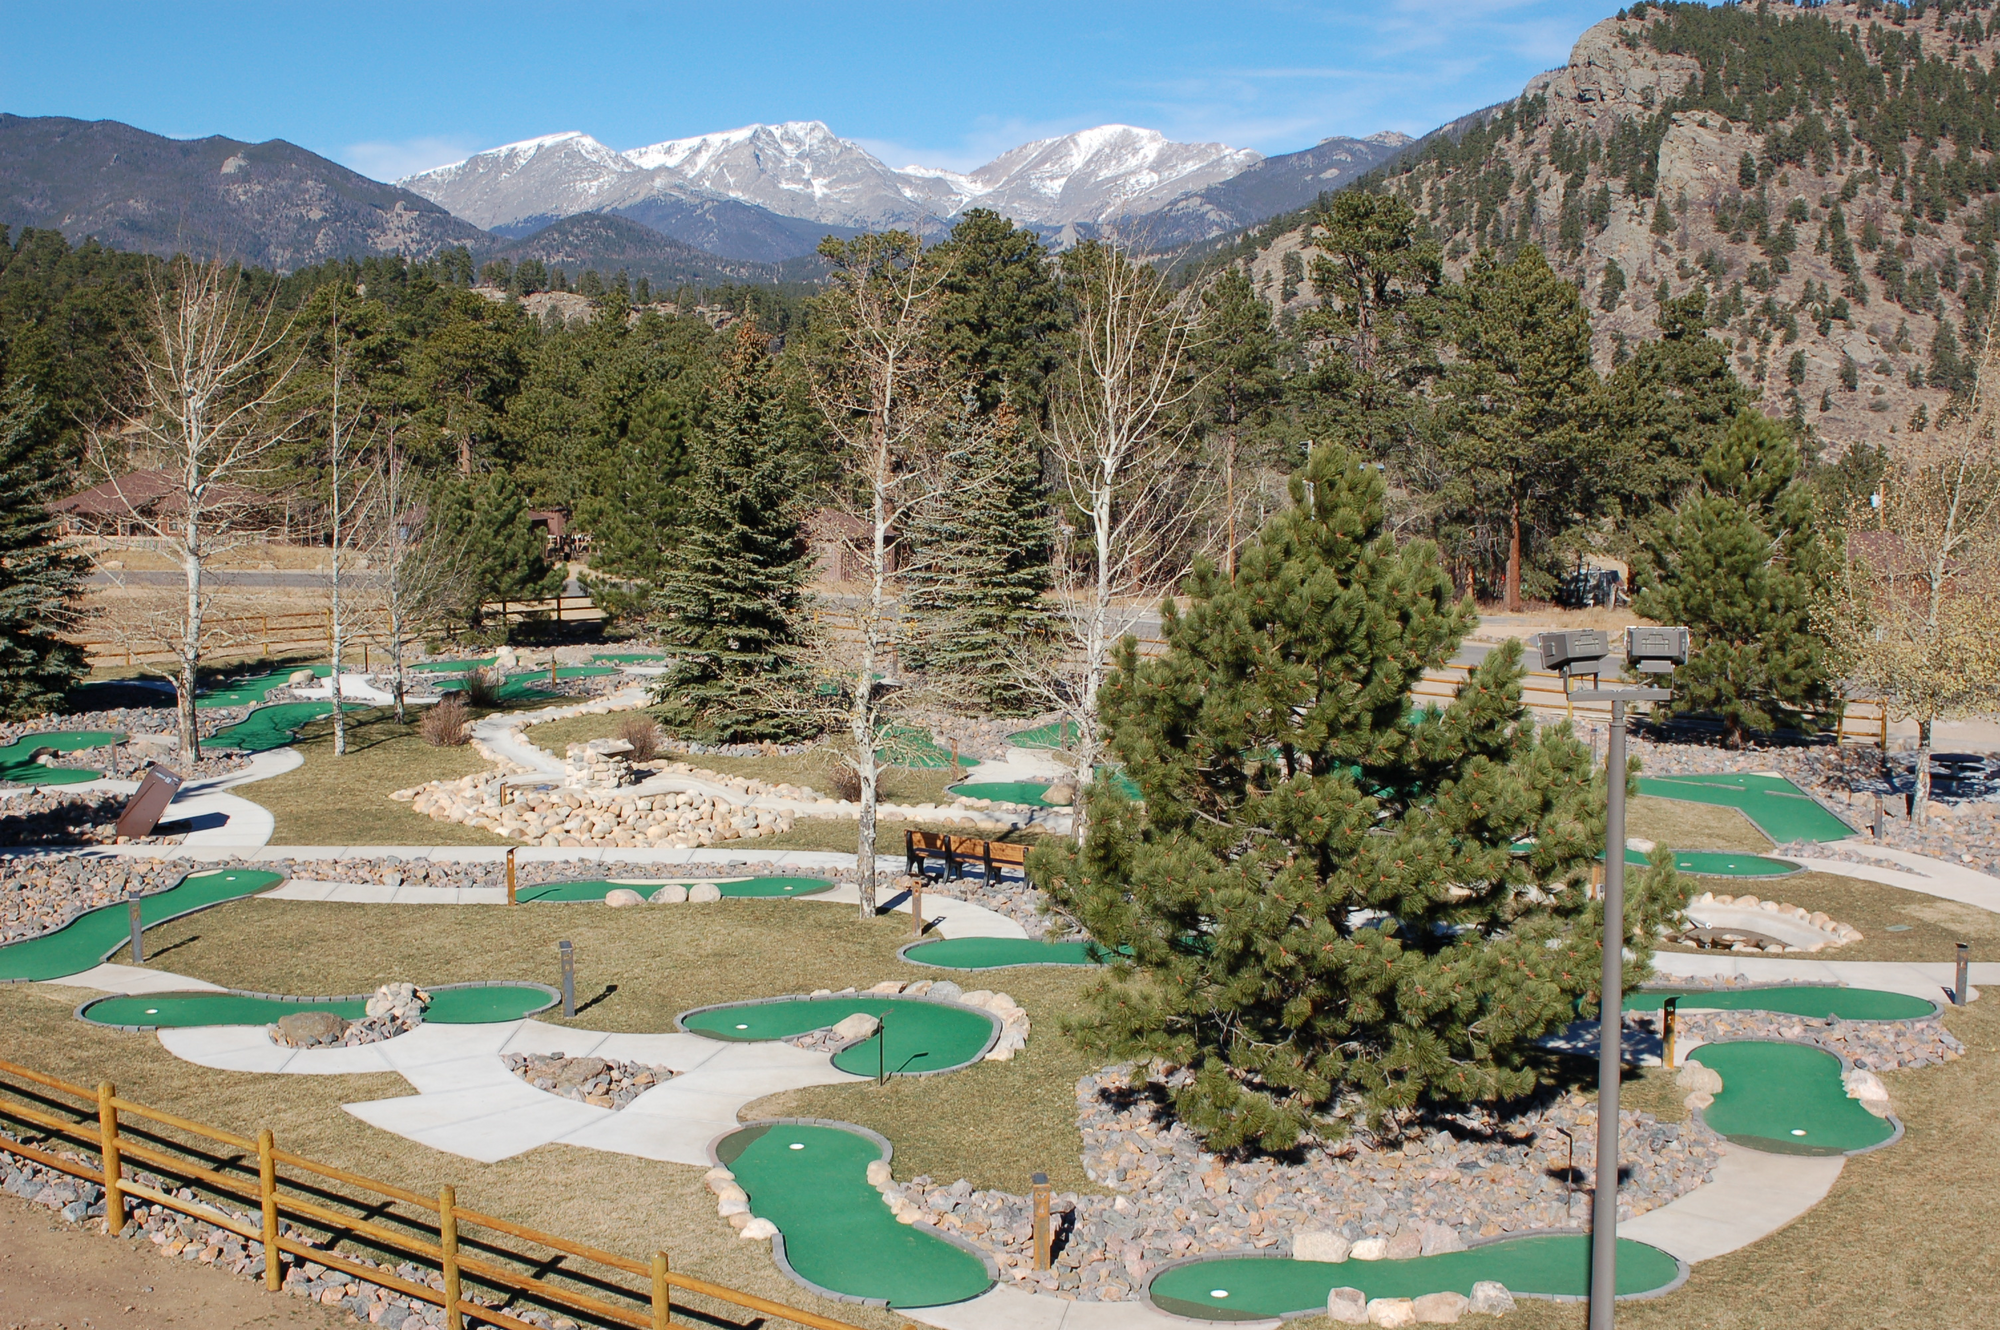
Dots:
pixel 406 157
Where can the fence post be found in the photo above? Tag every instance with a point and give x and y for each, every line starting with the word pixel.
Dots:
pixel 107 1149
pixel 567 954
pixel 448 1247
pixel 1669 1018
pixel 663 1306
pixel 138 930
pixel 1958 993
pixel 267 1192
pixel 1041 1193
pixel 510 858
pixel 917 906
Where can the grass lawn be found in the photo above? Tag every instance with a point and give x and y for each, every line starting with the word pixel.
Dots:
pixel 1689 826
pixel 345 800
pixel 1930 928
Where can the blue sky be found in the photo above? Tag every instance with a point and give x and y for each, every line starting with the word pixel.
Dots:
pixel 392 88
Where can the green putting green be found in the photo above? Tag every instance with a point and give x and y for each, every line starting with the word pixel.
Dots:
pixel 1005 792
pixel 18 767
pixel 88 939
pixel 923 1036
pixel 1815 1000
pixel 273 726
pixel 994 953
pixel 241 692
pixel 480 1004
pixel 1719 863
pixel 598 889
pixel 1236 1288
pixel 525 683
pixel 916 749
pixel 812 1182
pixel 629 658
pixel 453 666
pixel 1781 810
pixel 1056 734
pixel 1786 1099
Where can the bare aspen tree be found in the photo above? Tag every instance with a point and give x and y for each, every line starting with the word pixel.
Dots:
pixel 875 387
pixel 212 401
pixel 351 500
pixel 1120 439
pixel 1915 615
pixel 425 569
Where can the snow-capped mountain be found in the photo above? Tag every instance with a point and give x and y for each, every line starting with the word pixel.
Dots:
pixel 802 172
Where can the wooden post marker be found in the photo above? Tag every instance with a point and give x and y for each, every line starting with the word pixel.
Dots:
pixel 107 1143
pixel 510 864
pixel 1669 1018
pixel 267 1192
pixel 568 954
pixel 448 1250
pixel 663 1307
pixel 917 907
pixel 1041 1192
pixel 138 931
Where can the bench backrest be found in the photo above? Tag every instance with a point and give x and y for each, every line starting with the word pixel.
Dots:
pixel 966 847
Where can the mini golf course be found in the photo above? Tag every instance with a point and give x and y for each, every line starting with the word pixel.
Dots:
pixel 631 658
pixel 1555 1265
pixel 1814 1000
pixel 1030 792
pixel 1787 1099
pixel 453 666
pixel 811 1180
pixel 1781 810
pixel 248 692
pixel 457 1004
pixel 923 1037
pixel 18 767
pixel 90 938
pixel 743 888
pixel 1056 734
pixel 273 726
pixel 1719 863
pixel 997 953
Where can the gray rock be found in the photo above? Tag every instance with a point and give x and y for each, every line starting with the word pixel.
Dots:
pixel 1315 1244
pixel 1406 1244
pixel 76 1211
pixel 1441 1308
pixel 305 1029
pixel 1439 1238
pixel 945 988
pixel 671 894
pixel 1347 1306
pixel 704 891
pixel 1491 1298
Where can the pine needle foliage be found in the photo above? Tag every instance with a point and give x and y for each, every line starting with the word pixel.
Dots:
pixel 980 575
pixel 1743 563
pixel 729 603
pixel 41 576
pixel 1337 908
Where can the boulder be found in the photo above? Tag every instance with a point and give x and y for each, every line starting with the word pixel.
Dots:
pixel 1347 1306
pixel 1439 1238
pixel 730 1206
pixel 576 1071
pixel 879 1173
pixel 1369 1249
pixel 1405 1245
pixel 1392 1312
pixel 620 897
pixel 671 894
pixel 1441 1308
pixel 1317 1244
pixel 858 1026
pixel 1865 1088
pixel 759 1230
pixel 505 659
pixel 304 1029
pixel 298 677
pixel 1059 796
pixel 1491 1298
pixel 1694 1076
pixel 946 989
pixel 704 891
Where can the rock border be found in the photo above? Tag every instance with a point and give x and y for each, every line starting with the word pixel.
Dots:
pixel 555 996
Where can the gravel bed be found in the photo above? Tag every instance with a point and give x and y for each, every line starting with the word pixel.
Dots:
pixel 53 817
pixel 1869 1045
pixel 1017 899
pixel 604 1082
pixel 1175 1200
pixel 39 893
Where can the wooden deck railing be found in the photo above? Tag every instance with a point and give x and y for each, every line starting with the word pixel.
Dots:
pixel 465 1246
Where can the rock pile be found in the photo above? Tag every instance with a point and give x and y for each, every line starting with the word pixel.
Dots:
pixel 575 818
pixel 1017 898
pixel 392 1009
pixel 602 1082
pixel 123 720
pixel 601 764
pixel 733 1204
pixel 43 892
pixel 59 817
pixel 1868 1045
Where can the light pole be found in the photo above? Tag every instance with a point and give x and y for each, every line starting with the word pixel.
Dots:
pixel 1649 651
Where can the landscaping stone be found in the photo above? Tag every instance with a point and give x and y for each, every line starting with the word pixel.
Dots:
pixel 671 894
pixel 1392 1312
pixel 704 891
pixel 620 897
pixel 1440 1308
pixel 1347 1306
pixel 1318 1244
pixel 602 1082
pixel 1868 1045
pixel 1370 1249
pixel 1403 1245
pixel 857 1027
pixel 309 1029
pixel 1491 1298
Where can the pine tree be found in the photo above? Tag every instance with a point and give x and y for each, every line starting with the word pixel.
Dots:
pixel 1667 405
pixel 729 603
pixel 1743 564
pixel 507 558
pixel 1335 906
pixel 979 570
pixel 41 577
pixel 1001 317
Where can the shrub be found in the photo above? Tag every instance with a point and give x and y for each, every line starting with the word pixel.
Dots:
pixel 482 688
pixel 448 724
pixel 846 782
pixel 643 733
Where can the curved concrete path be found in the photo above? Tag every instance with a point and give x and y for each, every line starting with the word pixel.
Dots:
pixel 1010 1308
pixel 1752 1194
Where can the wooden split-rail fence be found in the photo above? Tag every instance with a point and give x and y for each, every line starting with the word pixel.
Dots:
pixel 286 1195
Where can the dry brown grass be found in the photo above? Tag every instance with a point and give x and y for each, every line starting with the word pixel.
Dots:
pixel 1931 927
pixel 345 800
pixel 1689 826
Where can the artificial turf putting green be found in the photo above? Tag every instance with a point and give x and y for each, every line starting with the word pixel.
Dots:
pixel 994 953
pixel 1719 863
pixel 453 666
pixel 1053 735
pixel 1781 810
pixel 18 767
pixel 1786 1099
pixel 1234 1288
pixel 93 935
pixel 241 692
pixel 922 1036
pixel 629 658
pixel 477 1004
pixel 812 1182
pixel 273 726
pixel 1815 1000
pixel 737 888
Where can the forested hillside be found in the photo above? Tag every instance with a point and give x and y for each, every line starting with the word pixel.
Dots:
pixel 1825 176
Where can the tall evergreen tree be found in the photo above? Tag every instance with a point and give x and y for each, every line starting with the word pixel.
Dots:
pixel 1668 405
pixel 41 576
pixel 1001 313
pixel 728 603
pixel 1743 564
pixel 507 557
pixel 1335 906
pixel 1236 356
pixel 979 571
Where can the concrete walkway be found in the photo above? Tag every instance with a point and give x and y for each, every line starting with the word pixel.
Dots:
pixel 108 978
pixel 1007 1308
pixel 469 1104
pixel 1912 872
pixel 1753 1194
pixel 1931 980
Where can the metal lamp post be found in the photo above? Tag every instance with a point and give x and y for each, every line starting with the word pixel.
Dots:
pixel 1650 651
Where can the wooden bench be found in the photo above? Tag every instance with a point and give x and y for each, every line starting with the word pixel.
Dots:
pixel 956 853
